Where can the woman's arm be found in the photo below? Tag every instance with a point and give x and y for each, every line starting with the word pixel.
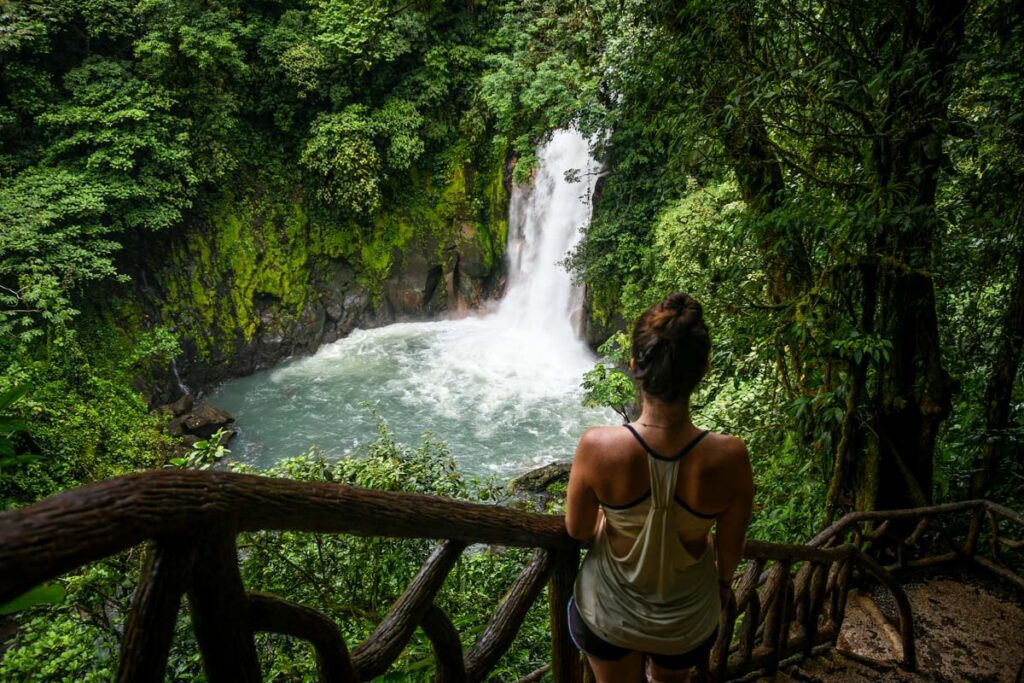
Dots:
pixel 582 510
pixel 731 529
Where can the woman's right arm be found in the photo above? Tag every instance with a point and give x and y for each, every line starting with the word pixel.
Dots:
pixel 582 510
pixel 731 528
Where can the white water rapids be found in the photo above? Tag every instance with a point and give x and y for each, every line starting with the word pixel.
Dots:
pixel 501 389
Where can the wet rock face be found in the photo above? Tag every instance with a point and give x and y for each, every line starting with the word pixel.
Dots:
pixel 258 275
pixel 422 286
pixel 434 278
pixel 595 330
pixel 540 479
pixel 336 306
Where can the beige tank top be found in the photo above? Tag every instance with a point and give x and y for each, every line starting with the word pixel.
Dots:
pixel 657 598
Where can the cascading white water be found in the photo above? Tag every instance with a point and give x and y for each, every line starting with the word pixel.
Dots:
pixel 545 225
pixel 501 389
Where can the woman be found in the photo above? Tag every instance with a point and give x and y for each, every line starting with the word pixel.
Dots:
pixel 647 495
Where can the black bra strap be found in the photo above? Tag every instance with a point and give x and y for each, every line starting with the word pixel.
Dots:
pixel 690 446
pixel 640 440
pixel 686 449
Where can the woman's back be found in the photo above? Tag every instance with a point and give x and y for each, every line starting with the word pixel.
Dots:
pixel 704 485
pixel 650 578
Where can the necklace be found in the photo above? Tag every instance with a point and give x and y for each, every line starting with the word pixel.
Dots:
pixel 670 426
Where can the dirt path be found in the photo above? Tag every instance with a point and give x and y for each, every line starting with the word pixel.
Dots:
pixel 965 631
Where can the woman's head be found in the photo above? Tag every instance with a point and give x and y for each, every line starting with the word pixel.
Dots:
pixel 670 348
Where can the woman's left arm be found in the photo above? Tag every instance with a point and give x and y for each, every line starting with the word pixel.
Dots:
pixel 731 528
pixel 582 510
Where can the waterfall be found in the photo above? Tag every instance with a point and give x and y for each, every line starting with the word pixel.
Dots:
pixel 181 384
pixel 502 389
pixel 545 224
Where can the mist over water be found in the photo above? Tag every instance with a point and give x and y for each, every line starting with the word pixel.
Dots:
pixel 501 389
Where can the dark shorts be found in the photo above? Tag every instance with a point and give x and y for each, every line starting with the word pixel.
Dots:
pixel 592 645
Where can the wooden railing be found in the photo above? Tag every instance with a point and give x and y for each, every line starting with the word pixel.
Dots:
pixel 789 600
pixel 797 604
pixel 913 536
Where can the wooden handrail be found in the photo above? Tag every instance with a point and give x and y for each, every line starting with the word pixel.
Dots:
pixel 791 597
pixel 49 538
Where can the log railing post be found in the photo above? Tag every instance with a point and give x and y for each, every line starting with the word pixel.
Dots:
pixel 499 633
pixel 993 541
pixel 773 604
pixel 448 661
pixel 373 656
pixel 971 544
pixel 903 609
pixel 220 609
pixel 720 653
pixel 815 599
pixel 837 607
pixel 149 629
pixel 776 628
pixel 277 615
pixel 566 662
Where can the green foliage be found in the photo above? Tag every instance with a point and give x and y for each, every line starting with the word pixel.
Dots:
pixel 115 160
pixel 10 425
pixel 544 78
pixel 76 639
pixel 610 386
pixel 354 150
pixel 82 418
pixel 64 649
pixel 205 454
pixel 784 164
pixel 153 116
pixel 745 167
pixel 363 34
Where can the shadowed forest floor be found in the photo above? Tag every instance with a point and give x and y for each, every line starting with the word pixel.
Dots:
pixel 966 630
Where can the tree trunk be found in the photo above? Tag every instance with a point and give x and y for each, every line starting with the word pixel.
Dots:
pixel 913 389
pixel 1000 384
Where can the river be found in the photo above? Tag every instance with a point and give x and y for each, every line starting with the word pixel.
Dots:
pixel 501 388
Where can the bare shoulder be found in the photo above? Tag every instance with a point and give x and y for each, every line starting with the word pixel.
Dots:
pixel 600 443
pixel 598 437
pixel 729 454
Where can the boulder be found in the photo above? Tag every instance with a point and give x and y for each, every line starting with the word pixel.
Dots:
pixel 539 480
pixel 176 408
pixel 205 420
pixel 176 427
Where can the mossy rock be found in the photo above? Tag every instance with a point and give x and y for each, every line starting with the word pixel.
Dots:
pixel 546 480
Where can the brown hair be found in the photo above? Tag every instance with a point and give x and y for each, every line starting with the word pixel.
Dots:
pixel 671 346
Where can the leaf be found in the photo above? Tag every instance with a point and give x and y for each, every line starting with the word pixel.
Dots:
pixel 46 594
pixel 7 460
pixel 12 395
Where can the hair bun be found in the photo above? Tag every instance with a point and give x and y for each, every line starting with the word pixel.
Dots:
pixel 671 346
pixel 676 316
